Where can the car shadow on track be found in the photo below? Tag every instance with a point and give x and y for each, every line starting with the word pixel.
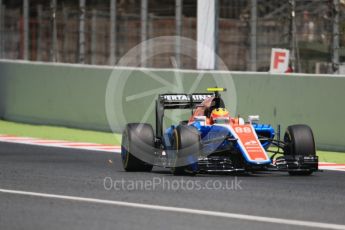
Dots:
pixel 245 174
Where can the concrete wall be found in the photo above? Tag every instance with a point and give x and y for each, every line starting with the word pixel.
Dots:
pixel 51 94
pixel 75 96
pixel 2 96
pixel 297 99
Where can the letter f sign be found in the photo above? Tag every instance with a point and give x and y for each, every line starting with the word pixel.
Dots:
pixel 279 57
pixel 279 60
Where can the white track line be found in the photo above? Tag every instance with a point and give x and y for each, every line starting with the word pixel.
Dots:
pixel 229 215
pixel 115 150
pixel 65 145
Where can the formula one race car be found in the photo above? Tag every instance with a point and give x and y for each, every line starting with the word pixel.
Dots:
pixel 213 142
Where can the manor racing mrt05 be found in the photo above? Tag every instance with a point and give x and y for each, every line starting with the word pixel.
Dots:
pixel 212 141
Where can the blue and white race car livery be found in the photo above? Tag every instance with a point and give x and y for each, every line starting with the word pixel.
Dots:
pixel 211 141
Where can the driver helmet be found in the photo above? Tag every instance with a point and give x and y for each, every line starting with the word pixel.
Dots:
pixel 220 116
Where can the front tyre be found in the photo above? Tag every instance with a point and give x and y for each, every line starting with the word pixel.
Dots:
pixel 137 142
pixel 299 140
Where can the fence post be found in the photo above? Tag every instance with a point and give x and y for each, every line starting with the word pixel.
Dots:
pixel 150 34
pixel 253 35
pixel 125 32
pixel 335 36
pixel 294 56
pixel 4 38
pixel 82 31
pixel 26 29
pixel 206 34
pixel 216 34
pixel 112 40
pixel 1 30
pixel 39 33
pixel 93 36
pixel 53 49
pixel 144 9
pixel 65 33
pixel 178 21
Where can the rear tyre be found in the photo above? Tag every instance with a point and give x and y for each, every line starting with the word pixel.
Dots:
pixel 186 143
pixel 137 141
pixel 299 140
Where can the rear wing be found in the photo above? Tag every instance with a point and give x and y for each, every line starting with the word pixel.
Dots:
pixel 176 101
pixel 182 101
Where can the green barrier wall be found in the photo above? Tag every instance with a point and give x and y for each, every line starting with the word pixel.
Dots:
pixel 75 96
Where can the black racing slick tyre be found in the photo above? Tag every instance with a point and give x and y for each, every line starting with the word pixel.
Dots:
pixel 299 140
pixel 186 143
pixel 137 142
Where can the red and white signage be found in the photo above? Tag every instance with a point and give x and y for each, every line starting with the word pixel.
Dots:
pixel 279 60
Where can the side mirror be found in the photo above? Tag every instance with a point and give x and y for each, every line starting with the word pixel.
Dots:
pixel 253 118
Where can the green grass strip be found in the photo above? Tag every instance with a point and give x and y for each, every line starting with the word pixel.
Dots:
pixel 333 157
pixel 58 133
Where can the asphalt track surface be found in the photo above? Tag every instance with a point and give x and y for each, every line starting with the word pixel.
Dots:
pixel 55 188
